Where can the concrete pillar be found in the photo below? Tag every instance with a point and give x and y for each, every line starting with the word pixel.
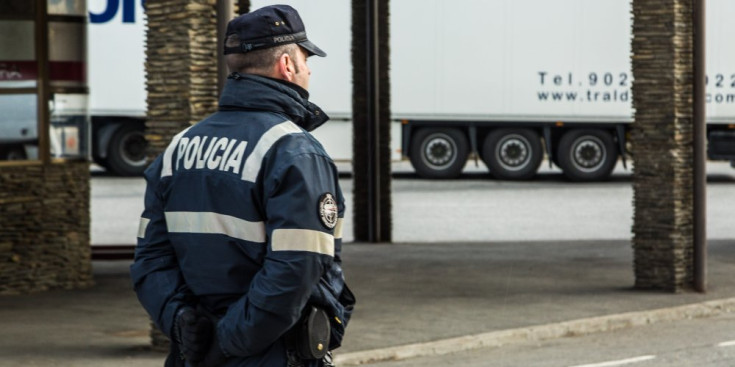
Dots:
pixel 181 67
pixel 244 6
pixel 662 138
pixel 371 147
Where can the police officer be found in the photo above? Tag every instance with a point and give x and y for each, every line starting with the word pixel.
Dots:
pixel 239 243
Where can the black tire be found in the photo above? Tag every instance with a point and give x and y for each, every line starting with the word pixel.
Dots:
pixel 512 154
pixel 439 153
pixel 13 153
pixel 126 152
pixel 587 155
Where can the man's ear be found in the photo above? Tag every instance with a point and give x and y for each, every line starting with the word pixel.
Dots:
pixel 286 69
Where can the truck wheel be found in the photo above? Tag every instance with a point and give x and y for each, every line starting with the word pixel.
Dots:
pixel 126 151
pixel 512 154
pixel 439 153
pixel 13 153
pixel 587 155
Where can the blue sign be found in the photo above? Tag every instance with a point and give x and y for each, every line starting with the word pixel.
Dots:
pixel 113 6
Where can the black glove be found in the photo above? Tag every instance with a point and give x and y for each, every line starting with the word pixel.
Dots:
pixel 215 356
pixel 194 334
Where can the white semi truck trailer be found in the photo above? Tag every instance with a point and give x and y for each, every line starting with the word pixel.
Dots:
pixel 117 107
pixel 512 81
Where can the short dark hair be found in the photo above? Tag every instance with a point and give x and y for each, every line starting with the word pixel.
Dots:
pixel 257 61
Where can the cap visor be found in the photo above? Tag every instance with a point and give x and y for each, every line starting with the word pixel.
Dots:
pixel 312 49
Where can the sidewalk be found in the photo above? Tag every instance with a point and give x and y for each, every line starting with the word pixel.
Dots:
pixel 408 294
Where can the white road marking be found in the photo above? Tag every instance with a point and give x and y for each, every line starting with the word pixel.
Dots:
pixel 731 343
pixel 619 362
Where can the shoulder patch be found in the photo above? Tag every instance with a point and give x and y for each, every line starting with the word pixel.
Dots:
pixel 328 211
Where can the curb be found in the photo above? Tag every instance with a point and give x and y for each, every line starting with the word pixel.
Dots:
pixel 538 333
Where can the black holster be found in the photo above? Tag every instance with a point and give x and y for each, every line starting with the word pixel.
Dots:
pixel 309 338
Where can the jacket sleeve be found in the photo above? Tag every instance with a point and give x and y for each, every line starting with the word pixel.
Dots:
pixel 332 293
pixel 300 248
pixel 155 272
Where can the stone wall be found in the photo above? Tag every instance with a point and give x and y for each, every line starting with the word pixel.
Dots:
pixel 662 139
pixel 44 216
pixel 181 67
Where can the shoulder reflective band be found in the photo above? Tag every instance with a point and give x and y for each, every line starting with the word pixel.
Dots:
pixel 303 240
pixel 255 159
pixel 215 223
pixel 167 168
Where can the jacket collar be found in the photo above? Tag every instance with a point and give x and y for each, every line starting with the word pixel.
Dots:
pixel 255 92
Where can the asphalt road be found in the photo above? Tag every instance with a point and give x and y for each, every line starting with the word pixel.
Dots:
pixel 699 342
pixel 473 208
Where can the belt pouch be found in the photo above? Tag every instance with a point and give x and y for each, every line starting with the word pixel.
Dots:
pixel 309 338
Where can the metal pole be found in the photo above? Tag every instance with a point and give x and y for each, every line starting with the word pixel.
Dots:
pixel 373 117
pixel 375 149
pixel 699 146
pixel 224 14
pixel 44 89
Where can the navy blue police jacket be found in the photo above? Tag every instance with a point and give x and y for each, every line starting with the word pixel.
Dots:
pixel 243 218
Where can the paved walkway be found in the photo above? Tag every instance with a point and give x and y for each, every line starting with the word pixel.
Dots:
pixel 413 299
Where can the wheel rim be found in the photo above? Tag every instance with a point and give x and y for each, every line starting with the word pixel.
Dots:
pixel 588 153
pixel 132 149
pixel 513 152
pixel 16 155
pixel 439 151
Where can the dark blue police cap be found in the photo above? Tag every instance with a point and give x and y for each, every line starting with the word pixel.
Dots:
pixel 268 27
